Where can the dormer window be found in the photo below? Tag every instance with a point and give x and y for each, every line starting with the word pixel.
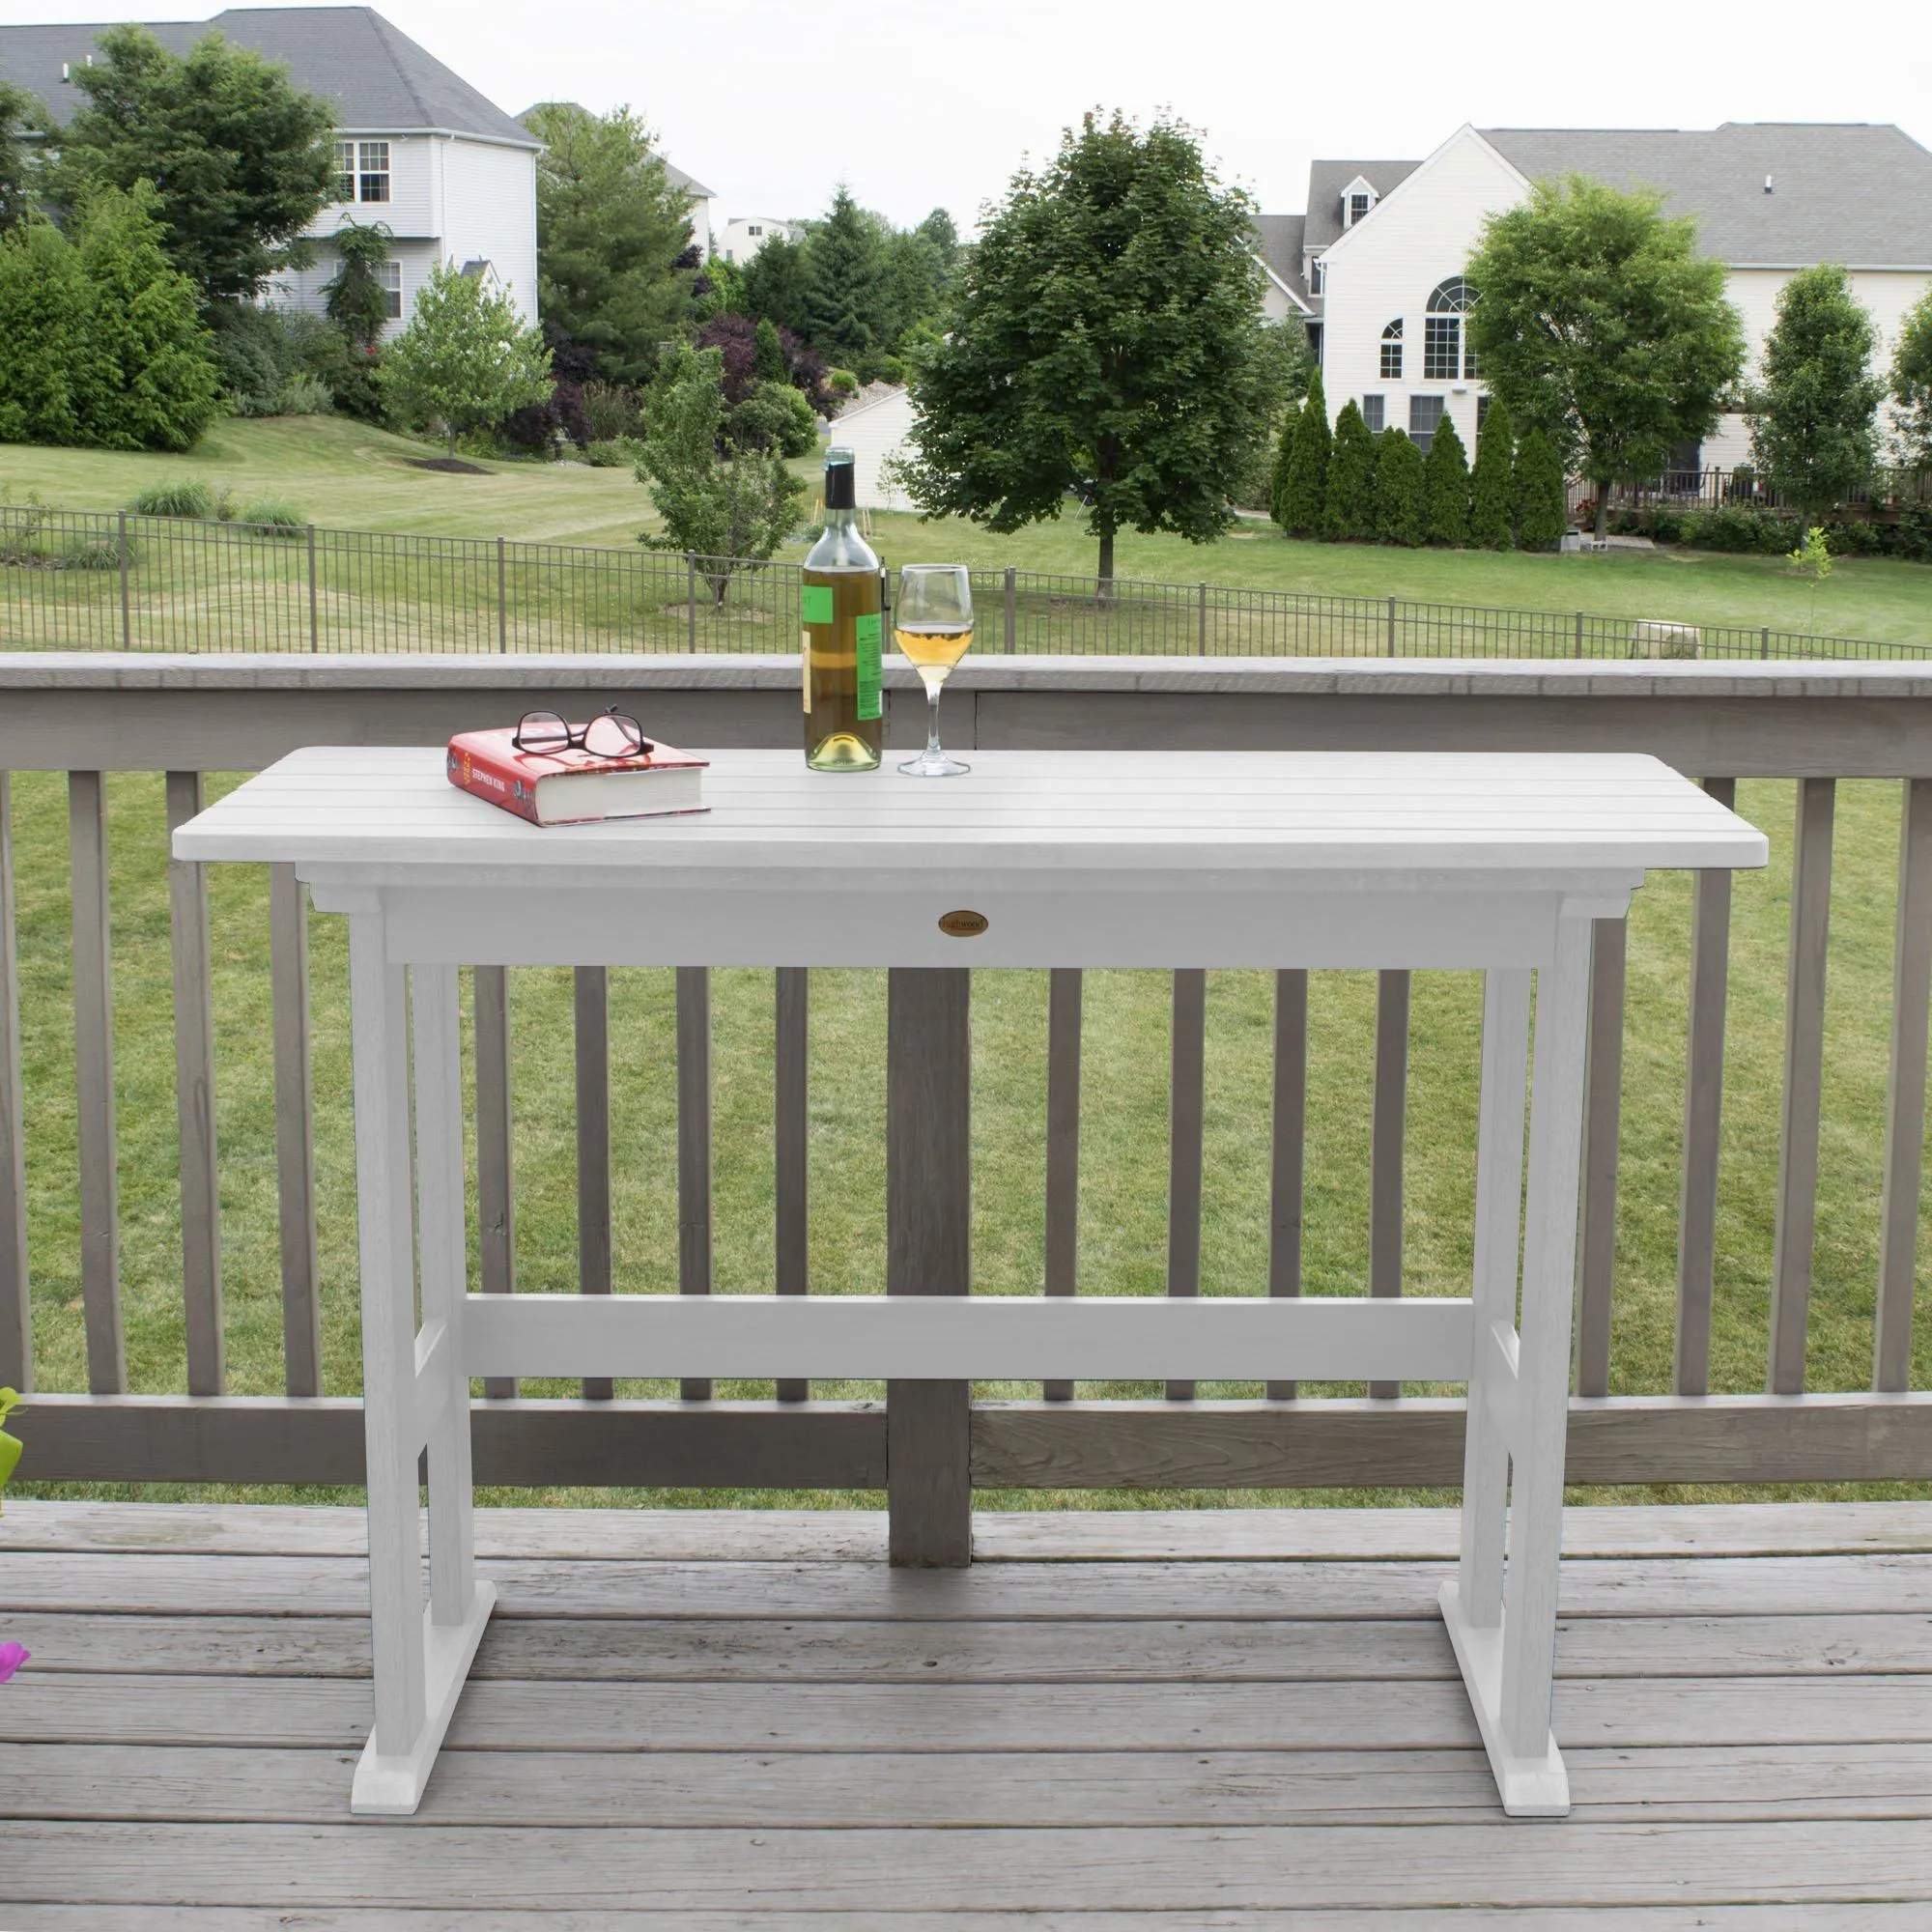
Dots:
pixel 1358 205
pixel 1357 198
pixel 1392 352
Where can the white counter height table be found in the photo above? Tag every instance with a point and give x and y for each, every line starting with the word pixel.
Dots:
pixel 1497 863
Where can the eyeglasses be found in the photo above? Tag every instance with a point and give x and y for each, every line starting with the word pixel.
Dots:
pixel 610 735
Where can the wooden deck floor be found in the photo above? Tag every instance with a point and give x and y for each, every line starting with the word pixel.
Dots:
pixel 1116 1722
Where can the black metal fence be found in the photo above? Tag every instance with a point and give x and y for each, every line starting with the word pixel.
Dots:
pixel 1887 491
pixel 76 580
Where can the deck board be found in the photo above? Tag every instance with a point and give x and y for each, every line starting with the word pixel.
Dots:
pixel 1193 1719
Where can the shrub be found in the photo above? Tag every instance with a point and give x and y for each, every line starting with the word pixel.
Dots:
pixel 305 395
pixel 616 453
pixel 1283 462
pixel 841 381
pixel 1399 471
pixel 1305 490
pixel 611 410
pixel 1490 522
pixel 1541 513
pixel 95 553
pixel 273 515
pixel 184 497
pixel 1348 516
pixel 1445 488
pixel 775 417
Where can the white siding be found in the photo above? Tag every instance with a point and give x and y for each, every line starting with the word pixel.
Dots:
pixel 301 289
pixel 410 213
pixel 490 214
pixel 873 435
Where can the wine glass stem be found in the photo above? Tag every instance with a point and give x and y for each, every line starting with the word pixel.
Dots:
pixel 932 749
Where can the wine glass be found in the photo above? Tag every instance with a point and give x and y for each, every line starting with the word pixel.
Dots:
pixel 932 624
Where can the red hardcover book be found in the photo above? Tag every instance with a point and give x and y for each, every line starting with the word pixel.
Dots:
pixel 572 786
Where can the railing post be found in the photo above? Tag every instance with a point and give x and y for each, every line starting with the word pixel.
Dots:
pixel 503 603
pixel 1013 611
pixel 127 608
pixel 1764 643
pixel 17 1324
pixel 1201 628
pixel 1391 627
pixel 691 601
pixel 194 1102
pixel 929 1251
pixel 294 1132
pixel 1579 634
pixel 314 611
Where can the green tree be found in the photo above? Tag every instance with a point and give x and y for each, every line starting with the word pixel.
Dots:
pixel 241 160
pixel 1399 472
pixel 44 313
pixel 774 417
pixel 355 298
pixel 1601 326
pixel 1912 382
pixel 1348 516
pixel 20 114
pixel 717 500
pixel 1305 491
pixel 768 357
pixel 1493 484
pixel 1542 512
pixel 1813 414
pixel 611 231
pixel 466 359
pixel 1445 488
pixel 1104 341
pixel 846 296
pixel 774 283
pixel 148 380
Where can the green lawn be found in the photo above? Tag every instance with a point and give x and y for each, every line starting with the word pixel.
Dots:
pixel 348 476
pixel 1125 1145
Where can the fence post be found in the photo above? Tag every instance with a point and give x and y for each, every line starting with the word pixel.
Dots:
pixel 1012 607
pixel 1579 634
pixel 1764 643
pixel 502 604
pixel 691 601
pixel 127 615
pixel 314 619
pixel 1391 628
pixel 1201 628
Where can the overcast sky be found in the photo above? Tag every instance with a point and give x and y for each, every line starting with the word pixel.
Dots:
pixel 924 103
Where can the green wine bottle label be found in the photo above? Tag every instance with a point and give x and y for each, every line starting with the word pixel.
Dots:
pixel 816 602
pixel 867 631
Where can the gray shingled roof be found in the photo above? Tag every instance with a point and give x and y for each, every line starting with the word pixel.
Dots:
pixel 1278 242
pixel 1857 193
pixel 378 77
pixel 1328 179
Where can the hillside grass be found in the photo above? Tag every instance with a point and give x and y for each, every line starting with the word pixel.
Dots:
pixel 1123 1148
pixel 347 475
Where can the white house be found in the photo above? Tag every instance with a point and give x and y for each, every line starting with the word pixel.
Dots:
pixel 1383 244
pixel 744 235
pixel 703 203
pixel 875 426
pixel 416 147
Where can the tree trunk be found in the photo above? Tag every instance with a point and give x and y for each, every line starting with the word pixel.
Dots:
pixel 1603 511
pixel 1106 571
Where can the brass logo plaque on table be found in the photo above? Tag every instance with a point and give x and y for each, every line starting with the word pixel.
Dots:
pixel 962 925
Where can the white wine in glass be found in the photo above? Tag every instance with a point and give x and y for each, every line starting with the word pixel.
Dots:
pixel 932 625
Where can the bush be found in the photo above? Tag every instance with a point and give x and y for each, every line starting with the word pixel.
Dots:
pixel 610 411
pixel 1491 518
pixel 1305 488
pixel 273 515
pixel 1445 488
pixel 1540 514
pixel 775 417
pixel 616 453
pixel 1398 489
pixel 1350 514
pixel 841 381
pixel 306 395
pixel 184 496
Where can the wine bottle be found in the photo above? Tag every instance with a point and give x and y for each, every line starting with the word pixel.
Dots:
pixel 841 641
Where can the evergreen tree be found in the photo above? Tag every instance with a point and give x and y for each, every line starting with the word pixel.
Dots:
pixel 148 379
pixel 1307 487
pixel 1350 514
pixel 43 314
pixel 1542 513
pixel 845 284
pixel 1283 462
pixel 1399 470
pixel 1491 488
pixel 355 297
pixel 773 285
pixel 1445 488
pixel 768 358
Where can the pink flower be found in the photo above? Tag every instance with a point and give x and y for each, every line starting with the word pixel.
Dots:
pixel 11 1656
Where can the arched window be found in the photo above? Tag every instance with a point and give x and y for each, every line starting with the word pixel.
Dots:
pixel 1392 352
pixel 1442 330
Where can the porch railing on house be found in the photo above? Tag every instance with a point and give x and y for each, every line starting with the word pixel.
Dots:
pixel 72 580
pixel 185 717
pixel 1887 492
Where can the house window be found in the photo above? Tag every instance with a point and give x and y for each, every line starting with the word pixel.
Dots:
pixel 372 173
pixel 390 279
pixel 753 230
pixel 1424 413
pixel 1358 205
pixel 345 171
pixel 1442 359
pixel 1482 412
pixel 1316 276
pixel 1374 414
pixel 1392 352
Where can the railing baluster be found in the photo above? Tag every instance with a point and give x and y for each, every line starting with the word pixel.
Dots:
pixel 16 1314
pixel 1385 1143
pixel 1064 986
pixel 1603 1107
pixel 693 1147
pixel 495 1183
pixel 792 1144
pixel 194 1102
pixel 1804 1079
pixel 294 1132
pixel 1904 1093
pixel 94 1086
pixel 1187 1082
pixel 1703 1117
pixel 1290 1122
pixel 593 1145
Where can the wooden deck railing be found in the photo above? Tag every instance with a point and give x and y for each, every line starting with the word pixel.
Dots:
pixel 93 714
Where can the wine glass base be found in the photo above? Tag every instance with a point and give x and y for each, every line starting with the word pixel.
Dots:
pixel 932 764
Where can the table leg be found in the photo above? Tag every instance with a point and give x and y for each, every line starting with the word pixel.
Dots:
pixel 1525 1382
